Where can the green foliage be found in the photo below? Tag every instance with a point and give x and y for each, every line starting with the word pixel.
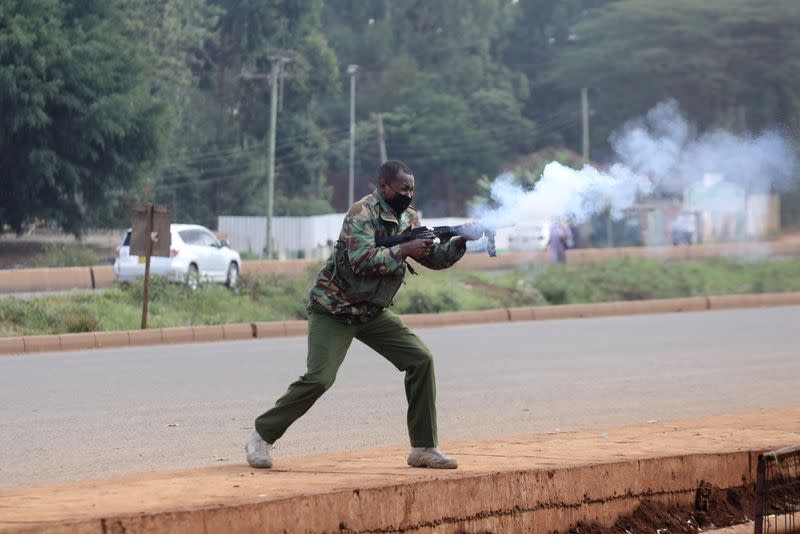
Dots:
pixel 637 279
pixel 106 102
pixel 67 255
pixel 45 316
pixel 450 108
pixel 718 58
pixel 271 298
pixel 222 141
pixel 421 302
pixel 79 320
pixel 78 122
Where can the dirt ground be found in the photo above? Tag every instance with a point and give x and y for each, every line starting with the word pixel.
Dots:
pixel 714 508
pixel 238 489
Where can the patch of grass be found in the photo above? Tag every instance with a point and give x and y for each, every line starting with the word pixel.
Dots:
pixel 638 279
pixel 270 298
pixel 249 255
pixel 455 290
pixel 66 255
pixel 80 320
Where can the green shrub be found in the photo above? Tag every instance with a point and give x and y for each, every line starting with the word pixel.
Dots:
pixel 79 320
pixel 422 302
pixel 30 317
pixel 248 255
pixel 638 279
pixel 66 255
pixel 270 298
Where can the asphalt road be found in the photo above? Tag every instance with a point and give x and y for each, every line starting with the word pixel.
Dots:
pixel 73 416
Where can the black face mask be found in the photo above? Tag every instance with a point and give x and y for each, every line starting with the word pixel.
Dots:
pixel 399 202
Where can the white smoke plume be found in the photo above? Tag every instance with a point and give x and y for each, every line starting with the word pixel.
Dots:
pixel 661 152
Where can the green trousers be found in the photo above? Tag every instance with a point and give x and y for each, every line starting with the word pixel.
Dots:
pixel 328 341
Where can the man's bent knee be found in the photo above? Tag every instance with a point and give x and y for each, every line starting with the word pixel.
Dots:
pixel 423 359
pixel 319 384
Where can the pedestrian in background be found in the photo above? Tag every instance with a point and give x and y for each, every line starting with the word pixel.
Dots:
pixel 560 240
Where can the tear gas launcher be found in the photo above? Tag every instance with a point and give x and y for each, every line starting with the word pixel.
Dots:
pixel 438 234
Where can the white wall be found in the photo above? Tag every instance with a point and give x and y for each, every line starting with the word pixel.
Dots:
pixel 308 237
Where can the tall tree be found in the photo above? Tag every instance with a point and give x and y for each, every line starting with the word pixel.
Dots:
pixel 224 162
pixel 728 62
pixel 77 119
pixel 451 108
pixel 539 30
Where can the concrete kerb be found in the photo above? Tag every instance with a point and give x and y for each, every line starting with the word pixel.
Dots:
pixel 144 337
pixel 12 345
pixel 80 341
pixel 269 329
pixel 45 279
pixel 114 339
pixel 29 344
pixel 102 276
pixel 753 301
pixel 47 343
pixel 238 331
pixel 296 328
pixel 180 334
pixel 552 501
pixel 537 483
pixel 208 333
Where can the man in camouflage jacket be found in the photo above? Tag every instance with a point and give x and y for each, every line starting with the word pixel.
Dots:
pixel 350 299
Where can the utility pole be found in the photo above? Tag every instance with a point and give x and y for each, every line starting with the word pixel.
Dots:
pixel 273 122
pixel 585 123
pixel 278 59
pixel 351 70
pixel 381 139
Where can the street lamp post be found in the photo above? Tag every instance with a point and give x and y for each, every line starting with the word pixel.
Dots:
pixel 351 70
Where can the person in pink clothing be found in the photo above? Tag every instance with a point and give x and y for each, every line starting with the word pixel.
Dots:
pixel 560 237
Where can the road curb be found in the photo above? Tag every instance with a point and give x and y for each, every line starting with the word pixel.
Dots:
pixel 261 330
pixel 533 483
pixel 524 500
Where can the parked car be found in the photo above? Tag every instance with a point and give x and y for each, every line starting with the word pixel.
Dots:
pixel 195 255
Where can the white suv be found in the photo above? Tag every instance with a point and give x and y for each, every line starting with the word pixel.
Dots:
pixel 195 255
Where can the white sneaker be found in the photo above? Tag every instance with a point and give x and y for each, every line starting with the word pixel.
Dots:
pixel 258 451
pixel 431 457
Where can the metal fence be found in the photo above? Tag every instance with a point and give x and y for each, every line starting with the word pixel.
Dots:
pixel 293 237
pixel 778 492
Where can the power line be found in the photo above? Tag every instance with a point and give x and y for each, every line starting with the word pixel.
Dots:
pixel 285 141
pixel 180 173
pixel 411 152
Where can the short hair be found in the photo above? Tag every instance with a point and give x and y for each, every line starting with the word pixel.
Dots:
pixel 391 169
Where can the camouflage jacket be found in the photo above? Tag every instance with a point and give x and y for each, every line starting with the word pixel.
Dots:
pixel 360 279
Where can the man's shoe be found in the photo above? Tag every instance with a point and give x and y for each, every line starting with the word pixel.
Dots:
pixel 258 451
pixel 431 457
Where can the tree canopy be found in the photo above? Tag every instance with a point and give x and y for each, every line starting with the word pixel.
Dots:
pixel 78 122
pixel 108 102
